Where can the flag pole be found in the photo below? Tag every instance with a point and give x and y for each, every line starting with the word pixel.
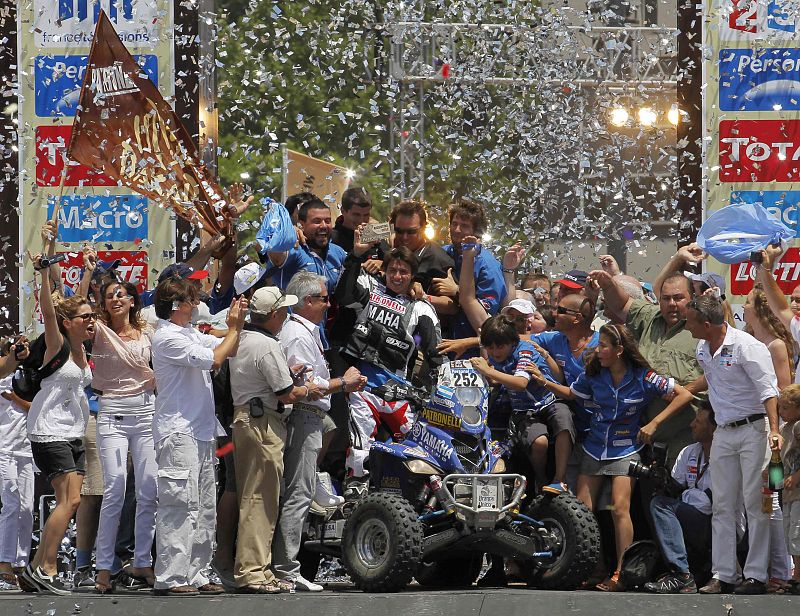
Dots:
pixel 284 172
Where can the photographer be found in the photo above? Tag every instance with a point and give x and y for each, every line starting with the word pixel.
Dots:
pixel 685 519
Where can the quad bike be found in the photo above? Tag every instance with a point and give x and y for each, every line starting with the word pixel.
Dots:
pixel 439 500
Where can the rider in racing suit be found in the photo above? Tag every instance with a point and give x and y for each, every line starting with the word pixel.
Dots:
pixel 389 329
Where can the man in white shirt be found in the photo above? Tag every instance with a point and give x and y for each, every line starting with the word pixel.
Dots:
pixel 184 431
pixel 685 521
pixel 742 388
pixel 302 344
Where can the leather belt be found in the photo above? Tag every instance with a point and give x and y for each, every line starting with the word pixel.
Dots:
pixel 301 406
pixel 743 422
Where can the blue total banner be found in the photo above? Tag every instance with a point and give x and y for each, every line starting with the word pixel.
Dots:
pixel 759 79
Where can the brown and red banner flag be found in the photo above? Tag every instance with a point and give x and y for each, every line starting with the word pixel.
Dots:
pixel 125 129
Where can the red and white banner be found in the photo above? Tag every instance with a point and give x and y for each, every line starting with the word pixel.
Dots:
pixel 787 273
pixel 132 267
pixel 759 150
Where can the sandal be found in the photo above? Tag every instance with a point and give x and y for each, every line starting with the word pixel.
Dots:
pixel 101 588
pixel 611 584
pixel 8 581
pixel 285 585
pixel 777 586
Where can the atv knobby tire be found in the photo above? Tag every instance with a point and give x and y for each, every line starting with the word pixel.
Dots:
pixel 581 542
pixel 452 572
pixel 382 543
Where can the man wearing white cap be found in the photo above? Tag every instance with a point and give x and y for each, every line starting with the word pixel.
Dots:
pixel 261 384
pixel 526 318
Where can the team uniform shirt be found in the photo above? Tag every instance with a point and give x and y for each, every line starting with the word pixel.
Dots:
pixel 302 345
pixel 13 431
pixel 303 258
pixel 390 328
pixel 534 396
pixel 490 289
pixel 557 344
pixel 740 376
pixel 618 409
pixel 182 361
pixel 693 471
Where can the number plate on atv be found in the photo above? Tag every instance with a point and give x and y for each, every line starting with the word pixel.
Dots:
pixel 333 530
pixel 487 496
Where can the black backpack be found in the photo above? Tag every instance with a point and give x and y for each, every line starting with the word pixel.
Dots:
pixel 27 380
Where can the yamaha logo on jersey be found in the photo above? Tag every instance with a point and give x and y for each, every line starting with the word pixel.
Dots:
pixel 386 317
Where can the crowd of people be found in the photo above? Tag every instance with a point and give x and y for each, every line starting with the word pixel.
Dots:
pixel 271 369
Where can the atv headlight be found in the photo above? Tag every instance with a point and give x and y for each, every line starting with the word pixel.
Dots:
pixel 470 415
pixel 468 396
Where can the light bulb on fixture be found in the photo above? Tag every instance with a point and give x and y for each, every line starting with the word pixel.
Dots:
pixel 619 116
pixel 647 117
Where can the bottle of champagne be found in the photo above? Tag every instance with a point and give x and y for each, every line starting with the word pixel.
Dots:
pixel 775 471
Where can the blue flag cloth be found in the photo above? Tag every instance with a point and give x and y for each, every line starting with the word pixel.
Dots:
pixel 732 233
pixel 277 233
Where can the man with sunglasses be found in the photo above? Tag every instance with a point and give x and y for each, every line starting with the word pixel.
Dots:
pixel 302 345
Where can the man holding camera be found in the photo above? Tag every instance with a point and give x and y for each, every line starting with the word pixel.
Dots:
pixel 686 519
pixel 261 383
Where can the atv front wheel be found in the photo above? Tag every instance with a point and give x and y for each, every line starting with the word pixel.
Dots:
pixel 382 543
pixel 575 542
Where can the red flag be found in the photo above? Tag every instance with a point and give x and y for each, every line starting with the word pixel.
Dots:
pixel 126 129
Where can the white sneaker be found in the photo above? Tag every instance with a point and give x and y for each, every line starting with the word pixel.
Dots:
pixel 302 584
pixel 324 494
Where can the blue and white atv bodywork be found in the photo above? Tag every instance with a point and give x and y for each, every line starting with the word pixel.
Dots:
pixel 439 499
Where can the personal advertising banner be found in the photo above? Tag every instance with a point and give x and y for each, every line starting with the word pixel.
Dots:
pixel 751 120
pixel 55 39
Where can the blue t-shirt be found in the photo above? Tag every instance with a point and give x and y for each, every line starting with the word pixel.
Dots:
pixel 533 396
pixel 490 290
pixel 557 344
pixel 303 258
pixel 617 410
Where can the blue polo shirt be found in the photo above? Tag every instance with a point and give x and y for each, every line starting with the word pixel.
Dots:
pixel 533 396
pixel 303 258
pixel 557 344
pixel 490 289
pixel 618 410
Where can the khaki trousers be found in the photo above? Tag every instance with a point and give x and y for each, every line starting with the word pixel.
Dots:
pixel 258 458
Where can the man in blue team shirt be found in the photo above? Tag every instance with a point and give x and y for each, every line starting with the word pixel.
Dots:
pixel 467 218
pixel 316 255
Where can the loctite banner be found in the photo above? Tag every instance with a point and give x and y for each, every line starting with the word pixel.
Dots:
pixel 125 129
pixel 751 120
pixel 54 42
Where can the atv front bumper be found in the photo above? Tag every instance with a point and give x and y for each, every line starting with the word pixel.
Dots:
pixel 481 501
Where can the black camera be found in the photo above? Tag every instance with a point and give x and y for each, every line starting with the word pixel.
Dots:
pixel 45 262
pixel 756 257
pixel 657 470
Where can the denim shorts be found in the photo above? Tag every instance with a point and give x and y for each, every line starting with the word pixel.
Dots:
pixel 58 457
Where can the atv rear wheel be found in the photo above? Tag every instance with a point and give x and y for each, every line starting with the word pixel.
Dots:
pixel 452 572
pixel 382 543
pixel 576 547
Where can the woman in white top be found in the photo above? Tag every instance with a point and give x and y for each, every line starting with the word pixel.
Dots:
pixel 125 382
pixel 57 421
pixel 766 327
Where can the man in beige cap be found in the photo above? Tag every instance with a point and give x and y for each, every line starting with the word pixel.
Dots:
pixel 261 384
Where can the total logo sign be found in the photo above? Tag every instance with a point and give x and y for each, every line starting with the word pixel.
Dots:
pixel 787 273
pixel 58 82
pixel 132 267
pixel 65 23
pixel 103 219
pixel 758 19
pixel 759 79
pixel 51 149
pixel 782 204
pixel 759 150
